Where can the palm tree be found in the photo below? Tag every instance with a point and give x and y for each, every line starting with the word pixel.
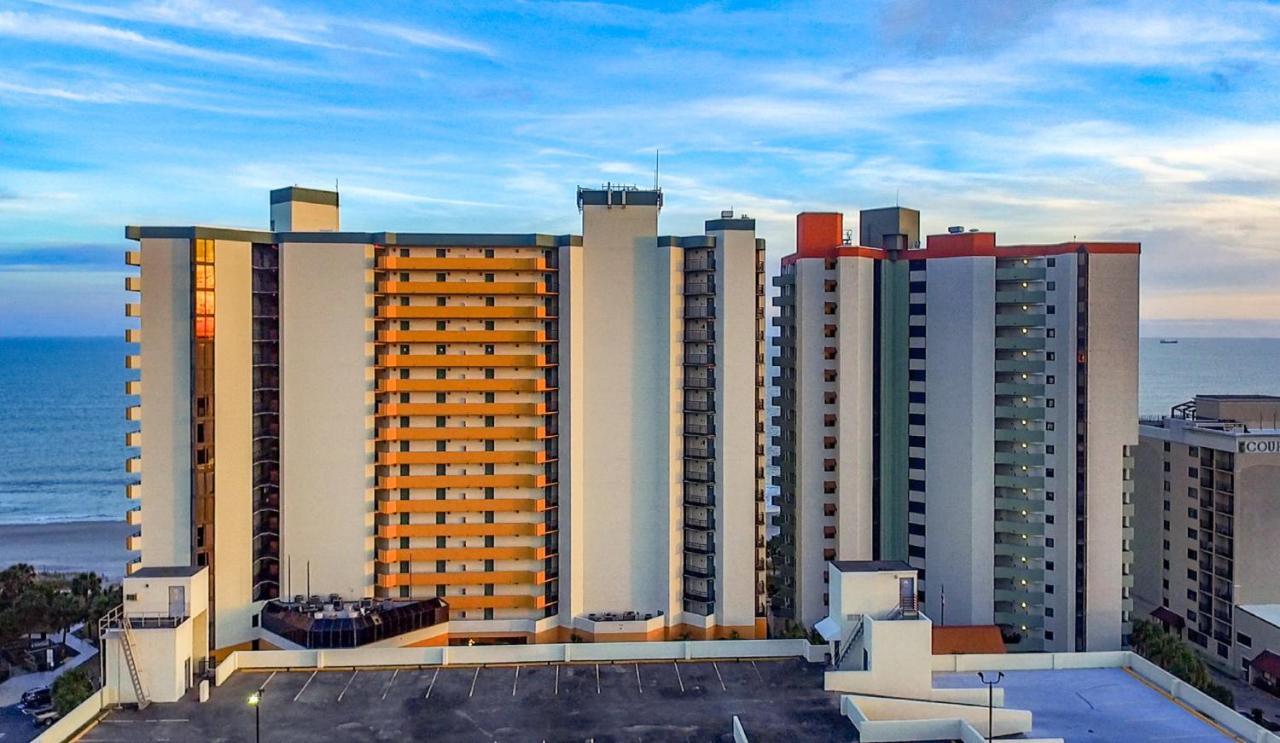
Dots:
pixel 86 585
pixel 15 579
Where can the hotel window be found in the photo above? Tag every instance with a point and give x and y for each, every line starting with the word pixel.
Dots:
pixel 1053 262
pixel 1244 639
pixel 1050 333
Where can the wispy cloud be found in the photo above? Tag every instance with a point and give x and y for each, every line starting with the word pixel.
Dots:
pixel 426 39
pixel 49 30
pixel 253 20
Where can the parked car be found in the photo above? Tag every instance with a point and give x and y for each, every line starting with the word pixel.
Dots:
pixel 45 718
pixel 36 699
pixel 42 695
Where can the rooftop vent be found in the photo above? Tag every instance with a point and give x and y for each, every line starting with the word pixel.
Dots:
pixel 726 214
pixel 956 230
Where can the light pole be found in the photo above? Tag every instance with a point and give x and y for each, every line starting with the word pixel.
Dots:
pixel 991 694
pixel 255 701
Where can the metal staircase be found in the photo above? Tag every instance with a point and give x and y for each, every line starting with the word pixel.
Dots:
pixel 848 644
pixel 116 624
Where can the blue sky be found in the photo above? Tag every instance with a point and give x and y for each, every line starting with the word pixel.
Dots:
pixel 1151 121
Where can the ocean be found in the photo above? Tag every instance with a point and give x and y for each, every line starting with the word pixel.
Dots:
pixel 62 413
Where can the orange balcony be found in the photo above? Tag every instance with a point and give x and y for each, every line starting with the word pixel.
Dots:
pixel 132 309
pixel 486 288
pixel 391 531
pixel 133 438
pixel 133 465
pixel 463 385
pixel 462 505
pixel 133 258
pixel 482 312
pixel 133 335
pixel 494 602
pixel 398 263
pixel 133 491
pixel 460 578
pixel 477 360
pixel 398 409
pixel 462 457
pixel 463 481
pixel 133 387
pixel 462 336
pixel 133 283
pixel 133 361
pixel 431 554
pixel 133 413
pixel 133 542
pixel 496 433
pixel 133 517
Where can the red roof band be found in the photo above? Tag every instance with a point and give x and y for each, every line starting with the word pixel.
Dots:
pixel 821 235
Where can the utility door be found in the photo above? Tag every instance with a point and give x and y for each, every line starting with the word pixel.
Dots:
pixel 177 601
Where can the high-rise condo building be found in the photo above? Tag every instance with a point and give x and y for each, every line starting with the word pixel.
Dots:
pixel 968 408
pixel 555 435
pixel 1205 480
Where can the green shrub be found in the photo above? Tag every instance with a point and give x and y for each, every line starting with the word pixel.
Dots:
pixel 70 689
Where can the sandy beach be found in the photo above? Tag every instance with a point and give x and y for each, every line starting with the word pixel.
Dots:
pixel 73 546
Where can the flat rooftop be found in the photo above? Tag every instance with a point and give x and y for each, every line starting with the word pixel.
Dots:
pixel 1099 705
pixel 660 701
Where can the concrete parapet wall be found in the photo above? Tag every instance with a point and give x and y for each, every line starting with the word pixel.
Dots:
pixel 510 654
pixel 71 723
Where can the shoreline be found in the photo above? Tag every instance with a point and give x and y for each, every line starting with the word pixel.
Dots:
pixel 67 547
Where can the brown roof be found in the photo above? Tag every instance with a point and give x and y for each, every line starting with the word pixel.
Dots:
pixel 967 639
pixel 1266 662
pixel 1167 617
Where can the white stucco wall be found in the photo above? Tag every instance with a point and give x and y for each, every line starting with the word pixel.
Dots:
pixel 735 425
pixel 1113 424
pixel 960 448
pixel 326 415
pixel 166 402
pixel 233 444
pixel 623 447
pixel 855 343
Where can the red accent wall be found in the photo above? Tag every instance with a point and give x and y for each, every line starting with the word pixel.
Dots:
pixel 818 233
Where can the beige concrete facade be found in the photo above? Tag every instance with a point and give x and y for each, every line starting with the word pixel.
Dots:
pixel 979 405
pixel 1205 511
pixel 498 421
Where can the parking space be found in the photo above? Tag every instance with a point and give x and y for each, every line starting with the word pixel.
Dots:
pixel 607 701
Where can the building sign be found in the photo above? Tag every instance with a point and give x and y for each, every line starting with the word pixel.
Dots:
pixel 1259 446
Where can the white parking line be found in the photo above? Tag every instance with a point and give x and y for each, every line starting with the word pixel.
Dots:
pixel 304 686
pixel 557 681
pixel 677 667
pixel 432 685
pixel 473 681
pixel 264 683
pixel 343 693
pixel 722 686
pixel 597 678
pixel 389 683
pixel 757 670
pixel 639 686
pixel 513 683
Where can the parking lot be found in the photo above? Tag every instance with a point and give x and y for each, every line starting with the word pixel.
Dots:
pixel 774 699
